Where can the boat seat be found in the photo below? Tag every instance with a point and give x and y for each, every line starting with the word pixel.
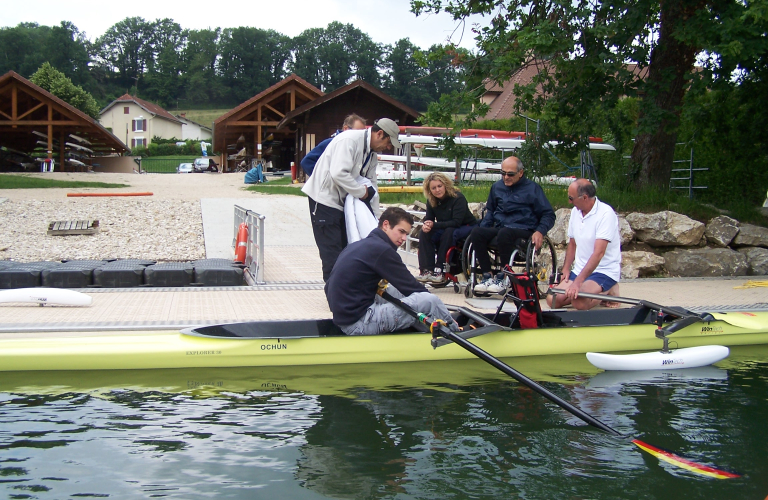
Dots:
pixel 524 292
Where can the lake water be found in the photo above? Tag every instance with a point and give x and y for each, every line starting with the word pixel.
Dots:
pixel 418 430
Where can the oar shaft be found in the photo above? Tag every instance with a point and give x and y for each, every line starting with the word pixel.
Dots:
pixel 505 368
pixel 500 365
pixel 676 312
pixel 624 300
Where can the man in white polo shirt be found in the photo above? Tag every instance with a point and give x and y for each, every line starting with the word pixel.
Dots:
pixel 594 250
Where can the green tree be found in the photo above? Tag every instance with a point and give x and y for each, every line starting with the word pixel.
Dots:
pixel 164 79
pixel 58 84
pixel 125 49
pixel 199 56
pixel 251 60
pixel 331 57
pixel 589 55
pixel 20 48
pixel 68 50
pixel 406 76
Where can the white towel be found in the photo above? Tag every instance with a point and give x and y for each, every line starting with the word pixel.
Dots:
pixel 359 219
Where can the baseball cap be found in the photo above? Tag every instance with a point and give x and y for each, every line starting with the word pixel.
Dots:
pixel 391 129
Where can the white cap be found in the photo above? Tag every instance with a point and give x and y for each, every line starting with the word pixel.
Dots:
pixel 391 129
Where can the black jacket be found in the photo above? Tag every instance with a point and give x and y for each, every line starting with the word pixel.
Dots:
pixel 523 205
pixel 352 285
pixel 450 212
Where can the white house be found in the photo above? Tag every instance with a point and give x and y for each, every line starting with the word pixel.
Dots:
pixel 193 130
pixel 136 121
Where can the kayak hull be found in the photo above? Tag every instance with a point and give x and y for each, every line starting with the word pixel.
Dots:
pixel 307 343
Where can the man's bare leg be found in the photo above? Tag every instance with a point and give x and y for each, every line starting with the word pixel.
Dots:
pixel 612 292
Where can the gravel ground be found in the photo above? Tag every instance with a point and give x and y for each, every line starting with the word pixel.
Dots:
pixel 166 226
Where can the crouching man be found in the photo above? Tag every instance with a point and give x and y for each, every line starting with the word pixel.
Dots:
pixel 594 250
pixel 353 283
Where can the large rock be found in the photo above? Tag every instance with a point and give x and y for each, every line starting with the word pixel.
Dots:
pixel 477 210
pixel 757 259
pixel 751 236
pixel 635 264
pixel 706 262
pixel 721 230
pixel 558 235
pixel 625 230
pixel 666 229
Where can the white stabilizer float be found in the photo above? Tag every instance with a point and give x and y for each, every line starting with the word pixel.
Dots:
pixel 690 357
pixel 46 296
pixel 666 359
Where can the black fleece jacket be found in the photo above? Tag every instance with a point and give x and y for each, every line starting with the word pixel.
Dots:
pixel 450 212
pixel 352 285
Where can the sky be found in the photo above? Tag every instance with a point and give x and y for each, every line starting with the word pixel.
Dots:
pixel 385 21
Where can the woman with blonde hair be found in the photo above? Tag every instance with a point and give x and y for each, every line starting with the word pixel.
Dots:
pixel 448 219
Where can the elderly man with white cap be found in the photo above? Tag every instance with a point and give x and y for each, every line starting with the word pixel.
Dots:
pixel 350 155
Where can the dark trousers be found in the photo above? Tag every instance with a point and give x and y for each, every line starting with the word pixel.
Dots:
pixel 330 232
pixel 442 239
pixel 506 242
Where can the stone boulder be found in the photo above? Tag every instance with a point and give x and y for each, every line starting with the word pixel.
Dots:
pixel 721 230
pixel 558 235
pixel 635 264
pixel 666 229
pixel 706 262
pixel 758 260
pixel 560 256
pixel 751 236
pixel 625 230
pixel 477 210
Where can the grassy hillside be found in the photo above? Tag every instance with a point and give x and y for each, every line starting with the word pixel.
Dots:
pixel 202 116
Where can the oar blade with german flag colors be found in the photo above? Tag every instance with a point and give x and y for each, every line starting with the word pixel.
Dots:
pixel 684 463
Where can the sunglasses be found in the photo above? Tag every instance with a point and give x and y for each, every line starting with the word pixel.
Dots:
pixel 509 174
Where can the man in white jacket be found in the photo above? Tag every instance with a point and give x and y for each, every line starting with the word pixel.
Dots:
pixel 351 154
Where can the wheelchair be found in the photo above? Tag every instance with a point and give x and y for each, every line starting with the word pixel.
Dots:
pixel 541 263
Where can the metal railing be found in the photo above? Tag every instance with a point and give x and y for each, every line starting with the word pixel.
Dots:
pixel 690 170
pixel 254 253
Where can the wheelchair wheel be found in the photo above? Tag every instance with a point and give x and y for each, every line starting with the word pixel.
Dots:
pixel 542 263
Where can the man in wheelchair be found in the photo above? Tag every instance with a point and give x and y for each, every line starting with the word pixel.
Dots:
pixel 517 209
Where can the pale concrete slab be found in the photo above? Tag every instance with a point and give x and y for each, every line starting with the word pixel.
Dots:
pixel 287 222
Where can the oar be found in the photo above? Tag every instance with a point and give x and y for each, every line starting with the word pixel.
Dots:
pixel 438 328
pixel 672 311
pixel 443 331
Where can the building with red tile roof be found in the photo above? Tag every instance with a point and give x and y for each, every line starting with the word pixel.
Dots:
pixel 137 121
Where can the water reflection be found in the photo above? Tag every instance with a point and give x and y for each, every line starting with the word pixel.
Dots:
pixel 428 430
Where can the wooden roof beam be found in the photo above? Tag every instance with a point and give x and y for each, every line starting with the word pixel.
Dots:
pixel 255 123
pixel 281 115
pixel 32 110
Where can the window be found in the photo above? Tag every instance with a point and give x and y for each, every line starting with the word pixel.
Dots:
pixel 139 141
pixel 126 110
pixel 139 124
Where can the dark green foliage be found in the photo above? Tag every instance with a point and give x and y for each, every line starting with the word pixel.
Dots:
pixel 55 82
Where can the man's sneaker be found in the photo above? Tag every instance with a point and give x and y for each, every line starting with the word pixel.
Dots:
pixel 424 277
pixel 494 285
pixel 482 285
pixel 436 278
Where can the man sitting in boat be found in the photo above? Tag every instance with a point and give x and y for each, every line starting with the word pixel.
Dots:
pixel 351 288
pixel 517 209
pixel 594 250
pixel 448 220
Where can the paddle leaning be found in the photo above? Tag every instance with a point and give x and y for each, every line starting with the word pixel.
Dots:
pixel 439 329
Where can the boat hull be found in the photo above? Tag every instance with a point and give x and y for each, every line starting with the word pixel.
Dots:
pixel 149 350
